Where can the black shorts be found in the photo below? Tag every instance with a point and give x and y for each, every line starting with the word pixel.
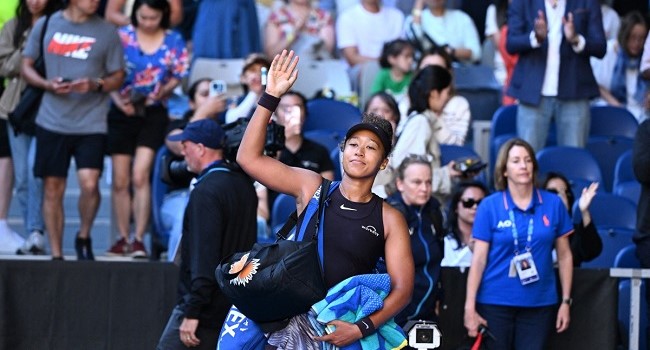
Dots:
pixel 54 151
pixel 125 134
pixel 5 150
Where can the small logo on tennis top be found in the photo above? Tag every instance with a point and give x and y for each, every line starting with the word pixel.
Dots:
pixel 343 207
pixel 371 229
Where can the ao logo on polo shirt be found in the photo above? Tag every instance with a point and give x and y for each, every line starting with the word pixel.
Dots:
pixel 504 224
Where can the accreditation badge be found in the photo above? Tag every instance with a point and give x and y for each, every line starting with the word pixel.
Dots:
pixel 525 267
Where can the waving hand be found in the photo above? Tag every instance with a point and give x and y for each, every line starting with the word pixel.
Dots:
pixel 282 74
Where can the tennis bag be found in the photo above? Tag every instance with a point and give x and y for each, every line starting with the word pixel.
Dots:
pixel 274 282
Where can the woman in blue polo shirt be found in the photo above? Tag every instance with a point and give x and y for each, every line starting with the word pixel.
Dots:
pixel 511 286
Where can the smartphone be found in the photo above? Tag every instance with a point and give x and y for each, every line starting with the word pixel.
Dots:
pixel 218 87
pixel 263 72
pixel 65 80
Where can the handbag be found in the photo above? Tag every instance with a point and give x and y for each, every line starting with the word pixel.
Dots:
pixel 274 282
pixel 23 117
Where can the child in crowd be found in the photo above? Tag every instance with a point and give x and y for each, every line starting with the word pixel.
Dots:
pixel 396 69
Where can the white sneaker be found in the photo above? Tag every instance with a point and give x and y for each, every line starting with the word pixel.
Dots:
pixel 35 244
pixel 10 241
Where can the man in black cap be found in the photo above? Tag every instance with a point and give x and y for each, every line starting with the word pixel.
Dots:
pixel 220 219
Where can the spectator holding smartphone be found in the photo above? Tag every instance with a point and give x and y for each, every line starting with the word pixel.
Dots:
pixel 157 61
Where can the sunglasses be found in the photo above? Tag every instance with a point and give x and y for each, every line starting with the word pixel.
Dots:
pixel 470 202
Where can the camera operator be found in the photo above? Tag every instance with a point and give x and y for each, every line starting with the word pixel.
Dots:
pixel 219 220
pixel 202 106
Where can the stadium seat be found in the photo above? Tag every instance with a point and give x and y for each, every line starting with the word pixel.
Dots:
pixel 612 121
pixel 623 171
pixel 626 258
pixel 610 211
pixel 607 150
pixel 283 206
pixel 327 114
pixel 504 127
pixel 479 86
pixel 366 78
pixel 327 138
pixel 318 75
pixel 614 239
pixel 228 70
pixel 577 164
pixel 630 190
pixel 625 182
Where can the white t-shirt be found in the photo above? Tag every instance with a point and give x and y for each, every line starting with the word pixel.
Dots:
pixel 455 28
pixel 368 31
pixel 456 257
pixel 492 28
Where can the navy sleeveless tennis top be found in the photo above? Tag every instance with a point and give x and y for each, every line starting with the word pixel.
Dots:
pixel 353 237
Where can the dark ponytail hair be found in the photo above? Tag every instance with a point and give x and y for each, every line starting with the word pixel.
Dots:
pixel 430 78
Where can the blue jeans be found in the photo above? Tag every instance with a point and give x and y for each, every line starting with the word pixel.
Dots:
pixel 172 211
pixel 517 328
pixel 572 121
pixel 170 338
pixel 28 189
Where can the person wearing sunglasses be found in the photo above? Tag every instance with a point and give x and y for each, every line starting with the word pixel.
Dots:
pixel 519 223
pixel 585 242
pixel 462 211
pixel 424 218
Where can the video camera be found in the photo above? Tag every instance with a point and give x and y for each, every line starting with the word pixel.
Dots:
pixel 174 170
pixel 423 334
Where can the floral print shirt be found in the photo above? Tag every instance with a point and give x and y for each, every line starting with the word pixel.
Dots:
pixel 147 72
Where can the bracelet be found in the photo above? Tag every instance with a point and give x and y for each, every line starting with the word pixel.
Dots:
pixel 269 102
pixel 365 326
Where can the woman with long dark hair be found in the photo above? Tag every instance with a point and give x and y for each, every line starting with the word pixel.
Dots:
pixel 20 146
pixel 460 220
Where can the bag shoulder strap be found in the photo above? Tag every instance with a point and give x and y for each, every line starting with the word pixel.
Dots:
pixel 291 222
pixel 39 64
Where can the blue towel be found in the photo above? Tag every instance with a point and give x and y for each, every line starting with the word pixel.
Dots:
pixel 352 300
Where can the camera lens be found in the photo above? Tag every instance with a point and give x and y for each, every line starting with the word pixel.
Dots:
pixel 424 336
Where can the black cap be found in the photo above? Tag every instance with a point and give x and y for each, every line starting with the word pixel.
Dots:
pixel 375 129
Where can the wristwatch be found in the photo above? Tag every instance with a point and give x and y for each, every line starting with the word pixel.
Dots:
pixel 99 85
pixel 568 301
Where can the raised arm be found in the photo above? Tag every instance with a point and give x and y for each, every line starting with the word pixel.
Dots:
pixel 270 172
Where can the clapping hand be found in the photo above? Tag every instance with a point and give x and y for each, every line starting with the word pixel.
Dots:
pixel 540 27
pixel 588 193
pixel 569 28
pixel 282 74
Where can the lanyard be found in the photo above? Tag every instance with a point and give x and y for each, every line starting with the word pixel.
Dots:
pixel 515 234
pixel 200 178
